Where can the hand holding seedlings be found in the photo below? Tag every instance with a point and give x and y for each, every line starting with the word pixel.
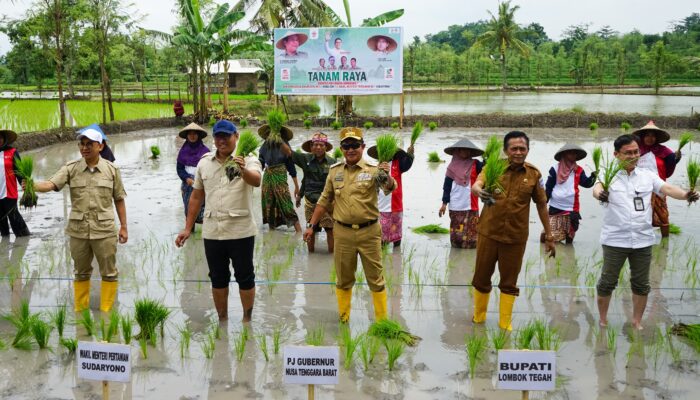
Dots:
pixel 692 196
pixel 384 166
pixel 603 196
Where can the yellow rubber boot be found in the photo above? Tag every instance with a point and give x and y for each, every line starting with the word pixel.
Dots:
pixel 81 292
pixel 379 300
pixel 481 302
pixel 505 310
pixel 108 292
pixel 344 297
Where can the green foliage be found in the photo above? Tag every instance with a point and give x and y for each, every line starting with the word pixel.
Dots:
pixel 276 120
pixel 337 153
pixel 431 228
pixel 674 229
pixel 611 168
pixel 476 347
pixel 143 345
pixel 597 156
pixel 689 331
pixel 432 125
pixel 307 123
pixel 525 336
pixel 415 133
pixel 307 115
pixel 547 337
pixel 389 329
pixel 277 338
pixel 336 125
pixel 350 345
pixel 70 344
pixel 247 143
pixel 126 323
pixel 185 339
pixel 368 125
pixel 394 350
pixel 369 347
pixel 593 126
pixel 315 336
pixel 113 327
pixel 58 318
pixel 262 345
pixel 494 169
pixel 25 170
pixel 41 332
pixel 155 151
pixel 87 321
pixel 243 123
pixel 387 146
pixel 239 343
pixel 433 157
pixel 686 137
pixel 208 345
pixel 693 171
pixel 498 337
pixel 493 148
pixel 625 126
pixel 149 315
pixel 394 125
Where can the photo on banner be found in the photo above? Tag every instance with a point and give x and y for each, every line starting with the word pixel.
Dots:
pixel 338 61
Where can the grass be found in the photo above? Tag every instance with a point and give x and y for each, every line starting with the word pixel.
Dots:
pixel 315 336
pixel 597 155
pixel 88 322
pixel 432 125
pixel 208 346
pixel 476 347
pixel 70 344
pixel 262 345
pixel 58 318
pixel 525 336
pixel 416 132
pixel 369 347
pixel 686 137
pixel 149 315
pixel 368 125
pixel 126 323
pixel 611 335
pixel 25 170
pixel 350 345
pixel 433 157
pixel 185 339
pixel 547 338
pixel 389 329
pixel 394 350
pixel 493 148
pixel 430 228
pixel 693 171
pixel 112 328
pixel 275 119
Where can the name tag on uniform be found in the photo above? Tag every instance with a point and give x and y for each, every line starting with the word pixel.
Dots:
pixel 638 204
pixel 338 178
pixel 363 177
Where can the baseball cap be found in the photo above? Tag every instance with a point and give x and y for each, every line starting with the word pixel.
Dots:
pixel 224 126
pixel 351 133
pixel 92 134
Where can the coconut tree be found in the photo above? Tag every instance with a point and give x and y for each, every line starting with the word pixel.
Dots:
pixel 504 34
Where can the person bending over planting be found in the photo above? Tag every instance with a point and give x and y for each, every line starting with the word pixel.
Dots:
pixel 95 184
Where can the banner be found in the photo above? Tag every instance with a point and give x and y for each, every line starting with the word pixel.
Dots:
pixel 338 61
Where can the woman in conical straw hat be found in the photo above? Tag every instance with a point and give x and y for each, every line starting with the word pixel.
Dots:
pixel 9 185
pixel 188 157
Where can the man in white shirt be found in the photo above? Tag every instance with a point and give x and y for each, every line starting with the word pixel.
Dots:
pixel 627 233
pixel 336 50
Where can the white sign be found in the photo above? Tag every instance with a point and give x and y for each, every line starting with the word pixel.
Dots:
pixel 104 361
pixel 526 370
pixel 311 365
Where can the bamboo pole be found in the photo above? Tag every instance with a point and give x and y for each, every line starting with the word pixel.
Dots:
pixel 105 390
pixel 526 395
pixel 311 392
pixel 337 108
pixel 401 111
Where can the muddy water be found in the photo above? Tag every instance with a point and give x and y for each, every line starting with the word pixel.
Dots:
pixel 435 306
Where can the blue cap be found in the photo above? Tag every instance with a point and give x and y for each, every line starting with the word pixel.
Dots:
pixel 224 126
pixel 93 127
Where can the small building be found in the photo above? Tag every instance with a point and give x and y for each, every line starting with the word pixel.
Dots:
pixel 242 76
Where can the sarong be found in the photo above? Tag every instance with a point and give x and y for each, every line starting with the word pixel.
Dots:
pixel 659 210
pixel 186 193
pixel 463 228
pixel 391 223
pixel 326 220
pixel 277 206
pixel 561 227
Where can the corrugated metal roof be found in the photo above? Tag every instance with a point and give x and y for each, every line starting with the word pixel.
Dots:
pixel 244 66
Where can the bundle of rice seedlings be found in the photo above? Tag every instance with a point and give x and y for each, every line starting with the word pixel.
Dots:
pixel 143 345
pixel 315 336
pixel 277 338
pixel 88 322
pixel 625 126
pixel 350 345
pixel 674 229
pixel 25 169
pixel 239 343
pixel 22 319
pixel 155 151
pixel 307 123
pixel 185 339
pixel 593 126
pixel 243 123
pixel 432 125
pixel 494 169
pixel 415 133
pixel 395 125
pixel 390 329
pixel 476 347
pixel 262 345
pixel 493 148
pixel 41 332
pixel 369 347
pixel 498 337
pixel 686 137
pixel 430 228
pixel 368 125
pixel 71 344
pixel 149 315
pixel 693 171
pixel 336 125
pixel 433 157
pixel 597 155
pixel 387 146
pixel 525 336
pixel 275 119
pixel 59 319
pixel 126 322
pixel 394 350
pixel 246 145
pixel 611 168
pixel 113 327
pixel 689 331
pixel 337 153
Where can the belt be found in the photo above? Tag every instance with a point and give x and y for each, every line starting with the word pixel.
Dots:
pixel 357 226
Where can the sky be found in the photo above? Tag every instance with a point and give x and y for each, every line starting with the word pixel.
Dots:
pixel 422 17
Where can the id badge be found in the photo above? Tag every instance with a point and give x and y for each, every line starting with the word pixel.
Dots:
pixel 638 204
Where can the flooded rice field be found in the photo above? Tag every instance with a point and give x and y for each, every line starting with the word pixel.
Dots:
pixel 428 285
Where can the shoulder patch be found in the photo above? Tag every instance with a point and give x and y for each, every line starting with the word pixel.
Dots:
pixel 336 164
pixel 74 162
pixel 371 163
pixel 206 155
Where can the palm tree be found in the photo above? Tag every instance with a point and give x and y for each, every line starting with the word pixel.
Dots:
pixel 503 34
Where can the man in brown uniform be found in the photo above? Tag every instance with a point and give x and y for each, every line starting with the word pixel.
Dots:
pixel 351 192
pixel 95 184
pixel 503 228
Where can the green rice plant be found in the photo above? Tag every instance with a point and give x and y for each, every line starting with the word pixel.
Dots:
pixel 636 344
pixel 143 345
pixel 369 347
pixel 25 170
pixel 208 346
pixel 686 137
pixel 387 146
pixel 3 345
pixel 103 329
pixel 625 126
pixel 611 168
pixel 215 329
pixel 525 336
pixel 593 126
pixel 243 123
pixel 306 115
pixel 350 344
pixel 337 153
pixel 416 132
pixel 689 331
pixel 597 155
pixel 336 125
pixel 246 333
pixel 368 125
pixel 155 151
pixel 113 328
pixel 611 335
pixel 275 119
pixel 58 318
pixel 277 338
pixel 126 323
pixel 70 344
pixel 693 171
pixel 432 125
pixel 394 350
pixel 430 228
pixel 185 339
pixel 239 343
pixel 307 123
pixel 674 229
pixel 494 169
pixel 493 148
pixel 149 315
pixel 433 157
pixel 262 345
pixel 578 109
pixel 499 338
pixel 390 329
pixel 476 347
pixel 41 331
pixel 88 322
pixel 674 351
pixel 315 336
pixel 246 145
pixel 394 125
pixel 547 337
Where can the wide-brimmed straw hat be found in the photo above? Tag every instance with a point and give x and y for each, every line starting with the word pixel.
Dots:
pixel 372 152
pixel 286 133
pixel 317 137
pixel 580 153
pixel 302 39
pixel 464 144
pixel 650 127
pixel 193 127
pixel 372 43
pixel 10 135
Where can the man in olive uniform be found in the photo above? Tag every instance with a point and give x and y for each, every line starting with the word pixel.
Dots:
pixel 351 192
pixel 95 184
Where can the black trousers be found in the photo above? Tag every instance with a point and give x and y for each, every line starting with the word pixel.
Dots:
pixel 10 213
pixel 222 253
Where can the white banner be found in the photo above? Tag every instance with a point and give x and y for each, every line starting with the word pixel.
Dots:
pixel 527 370
pixel 104 361
pixel 311 365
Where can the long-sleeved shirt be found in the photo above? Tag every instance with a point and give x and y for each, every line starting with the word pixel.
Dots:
pixel 315 173
pixel 272 155
pixel 460 198
pixel 565 196
pixel 8 173
pixel 393 202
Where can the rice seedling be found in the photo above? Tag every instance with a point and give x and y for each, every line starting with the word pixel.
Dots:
pixel 689 331
pixel 307 123
pixel 430 228
pixel 3 345
pixel 368 125
pixel 243 123
pixel 476 347
pixel 350 345
pixel 25 169
pixel 41 331
pixel 693 171
pixel 433 157
pixel 315 336
pixel 275 119
pixel 415 133
pixel 387 146
pixel 686 137
pixel 611 168
pixel 155 152
pixel 432 125
pixel 674 351
pixel 525 336
pixel 395 125
pixel 239 343
pixel 499 338
pixel 337 153
pixel 58 318
pixel 246 333
pixel 674 229
pixel 597 155
pixel 126 323
pixel 215 328
pixel 277 338
pixel 247 144
pixel 87 321
pixel 143 345
pixel 611 335
pixel 390 329
pixel 494 169
pixel 636 344
pixel 70 344
pixel 336 125
pixel 306 115
pixel 369 347
pixel 593 126
pixel 493 148
pixel 625 126
pixel 149 315
pixel 394 350
pixel 185 339
pixel 262 345
pixel 547 337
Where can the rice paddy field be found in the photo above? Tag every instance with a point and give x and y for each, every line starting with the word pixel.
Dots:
pixel 193 357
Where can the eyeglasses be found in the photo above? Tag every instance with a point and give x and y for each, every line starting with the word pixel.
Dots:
pixel 352 145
